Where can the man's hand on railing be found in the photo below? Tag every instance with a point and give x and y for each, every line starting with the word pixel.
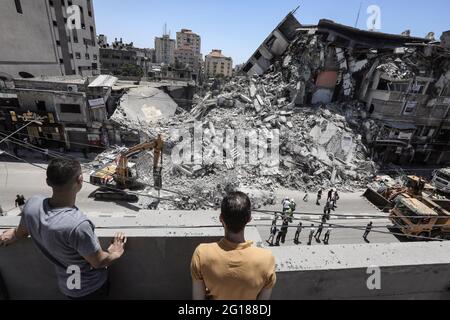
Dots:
pixel 8 237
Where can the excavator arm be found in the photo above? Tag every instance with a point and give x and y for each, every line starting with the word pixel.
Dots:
pixel 123 175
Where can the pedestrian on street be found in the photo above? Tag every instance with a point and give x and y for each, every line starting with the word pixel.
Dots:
pixel 330 195
pixel 312 230
pixel 46 156
pixel 298 232
pixel 335 200
pixel 1 211
pixel 286 205
pixel 273 232
pixel 368 230
pixel 291 211
pixel 326 239
pixel 20 201
pixel 284 230
pixel 279 235
pixel 319 197
pixel 319 231
pixel 327 210
pixel 85 153
pixel 306 197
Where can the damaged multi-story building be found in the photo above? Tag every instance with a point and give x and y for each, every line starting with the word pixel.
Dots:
pixel 72 110
pixel 402 83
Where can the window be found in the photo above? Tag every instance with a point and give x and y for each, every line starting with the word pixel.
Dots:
pixel 77 55
pixel 70 108
pixel 271 41
pixel 41 105
pixel 258 55
pixel 18 6
pixel 87 56
pixel 95 57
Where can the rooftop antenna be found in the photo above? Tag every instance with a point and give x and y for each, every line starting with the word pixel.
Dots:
pixel 295 10
pixel 359 14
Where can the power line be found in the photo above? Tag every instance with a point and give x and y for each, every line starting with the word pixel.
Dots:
pixel 360 216
pixel 61 141
pixel 215 226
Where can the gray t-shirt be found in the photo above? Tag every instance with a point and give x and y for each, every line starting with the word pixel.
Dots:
pixel 65 236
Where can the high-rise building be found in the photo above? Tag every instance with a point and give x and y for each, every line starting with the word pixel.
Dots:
pixel 165 49
pixel 188 51
pixel 216 64
pixel 47 37
pixel 186 39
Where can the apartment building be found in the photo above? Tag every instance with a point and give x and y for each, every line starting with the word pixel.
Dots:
pixel 218 65
pixel 165 49
pixel 47 37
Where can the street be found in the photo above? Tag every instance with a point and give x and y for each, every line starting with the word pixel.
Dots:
pixel 21 178
pixel 352 205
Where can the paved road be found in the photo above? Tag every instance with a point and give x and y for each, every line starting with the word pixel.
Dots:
pixel 352 205
pixel 20 178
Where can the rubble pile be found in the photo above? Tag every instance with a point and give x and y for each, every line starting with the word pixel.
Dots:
pixel 321 146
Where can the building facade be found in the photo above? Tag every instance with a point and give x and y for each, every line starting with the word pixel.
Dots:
pixel 188 52
pixel 189 40
pixel 218 65
pixel 44 37
pixel 72 109
pixel 165 49
pixel 114 56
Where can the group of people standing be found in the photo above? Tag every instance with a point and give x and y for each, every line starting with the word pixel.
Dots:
pixel 278 235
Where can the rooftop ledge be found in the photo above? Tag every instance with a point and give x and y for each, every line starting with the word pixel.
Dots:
pixel 156 263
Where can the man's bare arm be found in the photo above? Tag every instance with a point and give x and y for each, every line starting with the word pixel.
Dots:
pixel 102 259
pixel 11 236
pixel 198 290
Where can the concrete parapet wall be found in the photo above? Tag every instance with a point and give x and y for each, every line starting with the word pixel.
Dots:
pixel 156 264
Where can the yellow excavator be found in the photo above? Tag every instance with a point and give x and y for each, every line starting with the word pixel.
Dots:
pixel 119 175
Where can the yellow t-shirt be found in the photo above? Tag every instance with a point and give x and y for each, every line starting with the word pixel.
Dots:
pixel 233 271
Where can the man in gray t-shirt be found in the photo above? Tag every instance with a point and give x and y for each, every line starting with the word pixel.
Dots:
pixel 66 236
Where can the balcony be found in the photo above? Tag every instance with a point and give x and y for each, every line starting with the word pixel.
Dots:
pixel 156 264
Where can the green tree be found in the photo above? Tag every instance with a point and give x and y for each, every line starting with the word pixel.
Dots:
pixel 131 70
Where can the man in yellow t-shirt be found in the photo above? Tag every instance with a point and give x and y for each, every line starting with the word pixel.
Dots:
pixel 232 269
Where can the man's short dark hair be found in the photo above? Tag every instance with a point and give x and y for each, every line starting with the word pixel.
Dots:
pixel 61 172
pixel 236 211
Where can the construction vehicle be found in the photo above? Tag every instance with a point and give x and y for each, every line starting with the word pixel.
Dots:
pixel 412 210
pixel 420 216
pixel 121 175
pixel 441 180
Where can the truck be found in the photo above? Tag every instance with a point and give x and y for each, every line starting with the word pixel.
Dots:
pixel 421 216
pixel 412 208
pixel 441 180
pixel 115 178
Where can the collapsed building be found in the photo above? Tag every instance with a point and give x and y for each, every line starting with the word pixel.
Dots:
pixel 344 100
pixel 403 81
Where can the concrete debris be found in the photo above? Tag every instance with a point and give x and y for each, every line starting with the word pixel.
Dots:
pixel 310 95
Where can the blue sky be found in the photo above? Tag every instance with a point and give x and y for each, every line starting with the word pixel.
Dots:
pixel 239 26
